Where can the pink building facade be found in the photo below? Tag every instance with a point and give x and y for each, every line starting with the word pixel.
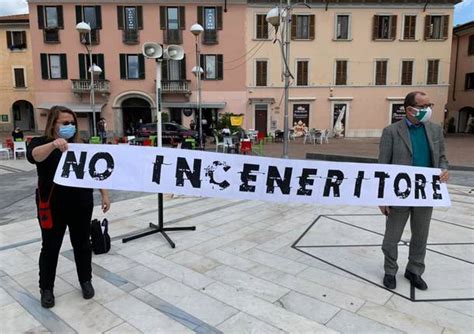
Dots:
pixel 125 91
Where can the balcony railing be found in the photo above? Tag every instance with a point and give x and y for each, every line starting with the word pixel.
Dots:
pixel 81 86
pixel 95 37
pixel 173 36
pixel 175 86
pixel 131 37
pixel 210 37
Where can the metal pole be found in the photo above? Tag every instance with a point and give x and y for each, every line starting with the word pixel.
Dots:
pixel 92 97
pixel 287 79
pixel 198 62
pixel 158 103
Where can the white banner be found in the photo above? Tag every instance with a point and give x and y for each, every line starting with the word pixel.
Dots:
pixel 208 174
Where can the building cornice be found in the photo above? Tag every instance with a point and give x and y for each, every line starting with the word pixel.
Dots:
pixel 140 2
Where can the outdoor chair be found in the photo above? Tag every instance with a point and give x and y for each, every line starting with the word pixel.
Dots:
pixel 278 136
pixel 218 144
pixel 4 150
pixel 19 147
pixel 309 135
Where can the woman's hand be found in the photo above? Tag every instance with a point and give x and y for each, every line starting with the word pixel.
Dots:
pixel 61 144
pixel 105 200
pixel 385 210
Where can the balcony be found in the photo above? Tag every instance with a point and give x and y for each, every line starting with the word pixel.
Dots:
pixel 81 86
pixel 95 37
pixel 51 35
pixel 175 86
pixel 209 37
pixel 131 37
pixel 172 36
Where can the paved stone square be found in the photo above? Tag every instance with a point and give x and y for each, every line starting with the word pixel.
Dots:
pixel 238 272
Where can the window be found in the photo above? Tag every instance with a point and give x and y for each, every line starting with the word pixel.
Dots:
pixel 53 66
pixel 261 71
pixel 132 66
pixel 381 72
pixel 85 64
pixel 385 27
pixel 302 27
pixel 436 26
pixel 341 72
pixel 262 27
pixel 50 20
pixel 172 22
pixel 16 40
pixel 409 27
pixel 172 18
pixel 19 74
pixel 173 70
pixel 130 18
pixel 469 84
pixel 302 73
pixel 213 67
pixel 211 20
pixel 91 15
pixel 342 27
pixel 470 49
pixel 51 17
pixel 433 70
pixel 407 72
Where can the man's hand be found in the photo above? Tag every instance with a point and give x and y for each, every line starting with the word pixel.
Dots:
pixel 444 176
pixel 385 210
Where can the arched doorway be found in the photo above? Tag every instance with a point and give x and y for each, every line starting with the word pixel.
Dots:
pixel 466 116
pixel 23 115
pixel 135 110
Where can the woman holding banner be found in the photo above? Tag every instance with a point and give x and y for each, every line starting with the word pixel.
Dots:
pixel 60 206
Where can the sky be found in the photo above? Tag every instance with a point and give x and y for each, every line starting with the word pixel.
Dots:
pixel 463 12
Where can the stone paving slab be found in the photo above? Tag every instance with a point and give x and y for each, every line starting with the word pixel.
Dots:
pixel 238 273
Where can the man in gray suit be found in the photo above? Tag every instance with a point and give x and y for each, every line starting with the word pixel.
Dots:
pixel 412 141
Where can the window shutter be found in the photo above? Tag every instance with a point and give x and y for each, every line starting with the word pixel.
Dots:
pixel 63 61
pixel 44 66
pixel 123 67
pixel 305 73
pixel 375 31
pixel 139 17
pixel 82 66
pixel 40 11
pixel 202 62
pixel 23 38
pixel 120 24
pixel 164 69
pixel 101 63
pixel 445 26
pixel 219 18
pixel 470 49
pixel 183 68
pixel 220 67
pixel 199 15
pixel 182 22
pixel 60 17
pixel 9 39
pixel 312 26
pixel 98 15
pixel 427 27
pixel 141 66
pixel 293 26
pixel 393 28
pixel 78 14
pixel 162 17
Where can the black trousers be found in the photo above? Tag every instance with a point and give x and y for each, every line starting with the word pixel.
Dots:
pixel 77 218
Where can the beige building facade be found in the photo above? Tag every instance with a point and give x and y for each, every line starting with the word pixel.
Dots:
pixel 16 79
pixel 360 57
pixel 460 107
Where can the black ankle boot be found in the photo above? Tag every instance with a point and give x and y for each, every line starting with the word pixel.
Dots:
pixel 47 298
pixel 87 290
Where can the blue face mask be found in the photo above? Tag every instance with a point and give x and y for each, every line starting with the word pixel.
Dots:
pixel 67 131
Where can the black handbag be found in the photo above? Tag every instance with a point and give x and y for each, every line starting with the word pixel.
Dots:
pixel 100 238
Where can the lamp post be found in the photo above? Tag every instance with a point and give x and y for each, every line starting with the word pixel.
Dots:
pixel 84 28
pixel 196 30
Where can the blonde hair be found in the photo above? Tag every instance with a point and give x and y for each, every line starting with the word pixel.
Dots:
pixel 53 116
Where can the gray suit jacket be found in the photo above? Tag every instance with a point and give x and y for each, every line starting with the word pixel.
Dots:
pixel 395 145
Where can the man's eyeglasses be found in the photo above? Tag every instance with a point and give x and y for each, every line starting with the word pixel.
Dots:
pixel 429 105
pixel 68 123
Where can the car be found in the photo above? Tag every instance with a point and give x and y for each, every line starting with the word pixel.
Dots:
pixel 170 131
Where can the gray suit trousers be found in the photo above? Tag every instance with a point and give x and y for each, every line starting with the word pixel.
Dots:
pixel 420 218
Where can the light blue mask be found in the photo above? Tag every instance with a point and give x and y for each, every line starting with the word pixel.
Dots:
pixel 67 131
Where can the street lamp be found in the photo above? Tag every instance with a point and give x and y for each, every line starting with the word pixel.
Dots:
pixel 275 16
pixel 196 30
pixel 84 28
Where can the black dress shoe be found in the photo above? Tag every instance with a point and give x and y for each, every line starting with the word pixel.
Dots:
pixel 390 281
pixel 87 290
pixel 416 280
pixel 47 298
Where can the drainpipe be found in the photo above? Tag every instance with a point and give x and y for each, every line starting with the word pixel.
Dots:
pixel 456 75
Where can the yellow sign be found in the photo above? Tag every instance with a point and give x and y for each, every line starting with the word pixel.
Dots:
pixel 236 120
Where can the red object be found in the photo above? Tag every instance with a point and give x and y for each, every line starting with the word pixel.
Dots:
pixel 147 142
pixel 45 216
pixel 260 136
pixel 245 147
pixel 10 143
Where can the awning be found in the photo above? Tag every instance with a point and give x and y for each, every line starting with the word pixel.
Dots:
pixel 193 105
pixel 76 107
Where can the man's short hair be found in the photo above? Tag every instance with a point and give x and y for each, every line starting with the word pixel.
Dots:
pixel 410 99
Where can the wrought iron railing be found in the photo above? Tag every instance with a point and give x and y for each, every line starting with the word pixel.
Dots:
pixel 210 37
pixel 175 86
pixel 131 37
pixel 173 36
pixel 84 86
